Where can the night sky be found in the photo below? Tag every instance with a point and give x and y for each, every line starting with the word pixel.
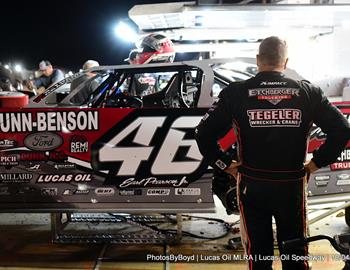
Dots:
pixel 67 33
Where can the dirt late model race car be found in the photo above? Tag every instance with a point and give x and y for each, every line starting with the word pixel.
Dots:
pixel 123 140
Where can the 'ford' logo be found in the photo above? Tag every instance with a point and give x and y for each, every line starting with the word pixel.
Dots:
pixel 43 141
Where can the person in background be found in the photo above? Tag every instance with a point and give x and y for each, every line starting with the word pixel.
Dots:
pixel 87 75
pixel 7 79
pixel 89 64
pixel 48 77
pixel 132 59
pixel 272 115
pixel 83 93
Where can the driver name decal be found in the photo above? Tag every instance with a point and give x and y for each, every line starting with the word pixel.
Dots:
pixel 153 181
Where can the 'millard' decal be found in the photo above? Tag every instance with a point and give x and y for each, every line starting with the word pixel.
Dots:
pixel 274 118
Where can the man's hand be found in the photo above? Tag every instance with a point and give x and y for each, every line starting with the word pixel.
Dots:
pixel 233 168
pixel 310 167
pixel 40 90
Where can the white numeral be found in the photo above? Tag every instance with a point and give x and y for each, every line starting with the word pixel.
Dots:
pixel 164 163
pixel 132 156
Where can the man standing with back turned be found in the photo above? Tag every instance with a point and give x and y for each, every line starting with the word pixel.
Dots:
pixel 272 116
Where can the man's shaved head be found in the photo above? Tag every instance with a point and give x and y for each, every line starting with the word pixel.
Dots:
pixel 273 51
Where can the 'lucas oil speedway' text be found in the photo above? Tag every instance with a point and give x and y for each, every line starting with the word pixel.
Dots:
pixel 48 121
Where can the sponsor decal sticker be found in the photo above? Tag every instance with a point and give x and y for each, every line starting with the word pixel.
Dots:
pixel 343 176
pixel 81 192
pixel 79 144
pixel 42 156
pixel 52 88
pixel 63 178
pixel 343 161
pixel 273 95
pixel 70 192
pixel 6 143
pixel 15 177
pixel 274 118
pixel 205 117
pixel 321 183
pixel 34 167
pixel 340 166
pixel 188 191
pixel 343 182
pixel 220 164
pixel 322 177
pixel 8 160
pixel 158 192
pixel 104 191
pixel 130 192
pixel 49 121
pixel 273 83
pixel 49 191
pixel 64 166
pixel 345 155
pixel 43 141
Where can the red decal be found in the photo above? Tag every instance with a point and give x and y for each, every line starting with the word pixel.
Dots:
pixel 340 166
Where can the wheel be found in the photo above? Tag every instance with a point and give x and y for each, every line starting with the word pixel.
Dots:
pixel 347 215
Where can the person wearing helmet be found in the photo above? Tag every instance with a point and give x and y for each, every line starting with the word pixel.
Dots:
pixel 152 48
pixel 155 48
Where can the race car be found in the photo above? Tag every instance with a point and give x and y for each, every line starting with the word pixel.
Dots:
pixel 123 140
pixel 109 145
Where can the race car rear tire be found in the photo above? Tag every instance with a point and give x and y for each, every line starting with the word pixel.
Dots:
pixel 347 216
pixel 13 100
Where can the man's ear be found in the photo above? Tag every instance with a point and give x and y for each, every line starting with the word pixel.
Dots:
pixel 257 60
pixel 285 63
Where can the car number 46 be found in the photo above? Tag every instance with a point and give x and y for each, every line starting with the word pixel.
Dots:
pixel 163 163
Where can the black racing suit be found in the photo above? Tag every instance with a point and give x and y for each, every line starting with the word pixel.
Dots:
pixel 272 116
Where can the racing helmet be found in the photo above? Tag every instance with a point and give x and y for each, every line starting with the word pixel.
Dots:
pixel 155 48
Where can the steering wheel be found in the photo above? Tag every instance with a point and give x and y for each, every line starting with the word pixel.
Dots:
pixel 122 100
